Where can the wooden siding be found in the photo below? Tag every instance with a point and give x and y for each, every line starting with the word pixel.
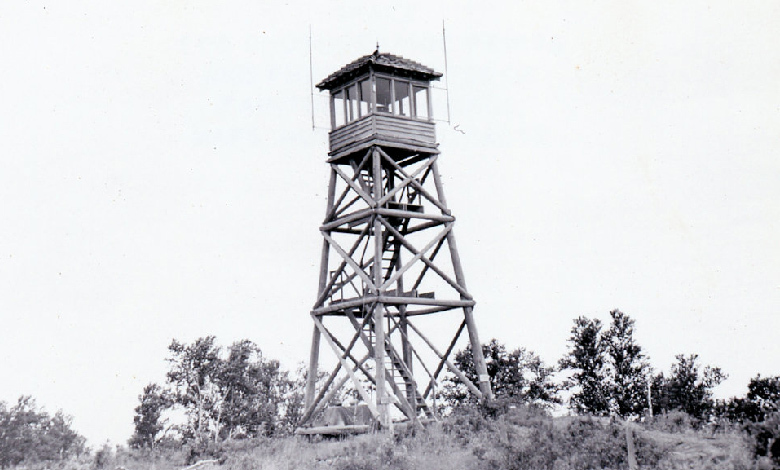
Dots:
pixel 385 128
pixel 353 132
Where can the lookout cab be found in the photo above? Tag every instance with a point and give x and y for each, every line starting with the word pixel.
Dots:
pixel 381 99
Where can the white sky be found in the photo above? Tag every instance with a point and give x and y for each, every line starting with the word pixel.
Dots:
pixel 159 178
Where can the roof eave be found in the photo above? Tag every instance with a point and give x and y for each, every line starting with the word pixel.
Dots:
pixel 373 62
pixel 334 82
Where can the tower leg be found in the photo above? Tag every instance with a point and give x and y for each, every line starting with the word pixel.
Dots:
pixel 311 376
pixel 379 308
pixel 476 346
pixel 408 358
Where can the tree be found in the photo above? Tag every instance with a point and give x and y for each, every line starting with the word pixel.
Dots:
pixel 688 387
pixel 587 358
pixel 192 373
pixel 148 425
pixel 629 369
pixel 238 394
pixel 29 434
pixel 609 369
pixel 758 413
pixel 59 439
pixel 764 394
pixel 762 399
pixel 293 401
pixel 251 391
pixel 518 376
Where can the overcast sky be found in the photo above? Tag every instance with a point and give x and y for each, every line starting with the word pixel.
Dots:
pixel 160 178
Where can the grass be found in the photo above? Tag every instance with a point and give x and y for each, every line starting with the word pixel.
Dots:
pixel 522 439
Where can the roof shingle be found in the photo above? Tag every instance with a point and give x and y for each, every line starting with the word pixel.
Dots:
pixel 379 61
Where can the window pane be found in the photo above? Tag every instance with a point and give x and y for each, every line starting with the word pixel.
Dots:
pixel 421 102
pixel 402 101
pixel 383 97
pixel 352 102
pixel 365 98
pixel 338 108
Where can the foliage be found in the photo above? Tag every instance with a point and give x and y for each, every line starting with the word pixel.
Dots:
pixel 29 434
pixel 528 437
pixel 192 373
pixel 764 395
pixel 609 369
pixel 629 367
pixel 758 413
pixel 518 376
pixel 524 437
pixel 763 399
pixel 251 390
pixel 580 443
pixel 104 456
pixel 231 393
pixel 671 422
pixel 587 357
pixel 148 425
pixel 293 402
pixel 688 388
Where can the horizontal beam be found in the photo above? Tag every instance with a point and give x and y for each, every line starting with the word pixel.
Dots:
pixel 423 226
pixel 439 304
pixel 335 157
pixel 346 219
pixel 344 304
pixel 425 301
pixel 339 430
pixel 414 215
pixel 426 311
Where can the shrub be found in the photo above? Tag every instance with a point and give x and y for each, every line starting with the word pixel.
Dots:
pixel 572 443
pixel 672 422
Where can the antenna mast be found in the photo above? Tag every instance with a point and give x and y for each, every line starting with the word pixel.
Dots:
pixel 311 81
pixel 446 71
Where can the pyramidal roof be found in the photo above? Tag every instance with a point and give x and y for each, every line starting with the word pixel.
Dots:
pixel 383 62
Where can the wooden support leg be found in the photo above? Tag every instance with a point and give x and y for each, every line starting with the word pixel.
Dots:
pixel 311 376
pixel 379 309
pixel 476 346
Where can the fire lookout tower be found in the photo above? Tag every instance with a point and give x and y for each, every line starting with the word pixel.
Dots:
pixel 389 259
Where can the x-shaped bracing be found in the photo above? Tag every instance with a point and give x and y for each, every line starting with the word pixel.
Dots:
pixel 352 365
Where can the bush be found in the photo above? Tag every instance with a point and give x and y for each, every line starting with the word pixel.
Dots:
pixel 539 443
pixel 104 457
pixel 672 422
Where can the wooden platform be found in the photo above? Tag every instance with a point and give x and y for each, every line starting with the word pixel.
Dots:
pixel 340 430
pixel 352 429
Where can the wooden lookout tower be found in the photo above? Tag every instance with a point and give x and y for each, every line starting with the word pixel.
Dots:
pixel 392 299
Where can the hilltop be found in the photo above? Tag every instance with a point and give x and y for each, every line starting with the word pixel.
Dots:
pixel 522 439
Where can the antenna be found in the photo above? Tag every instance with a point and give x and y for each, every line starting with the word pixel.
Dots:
pixel 446 72
pixel 311 81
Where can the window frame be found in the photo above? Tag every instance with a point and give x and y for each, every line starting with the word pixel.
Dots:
pixel 372 77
